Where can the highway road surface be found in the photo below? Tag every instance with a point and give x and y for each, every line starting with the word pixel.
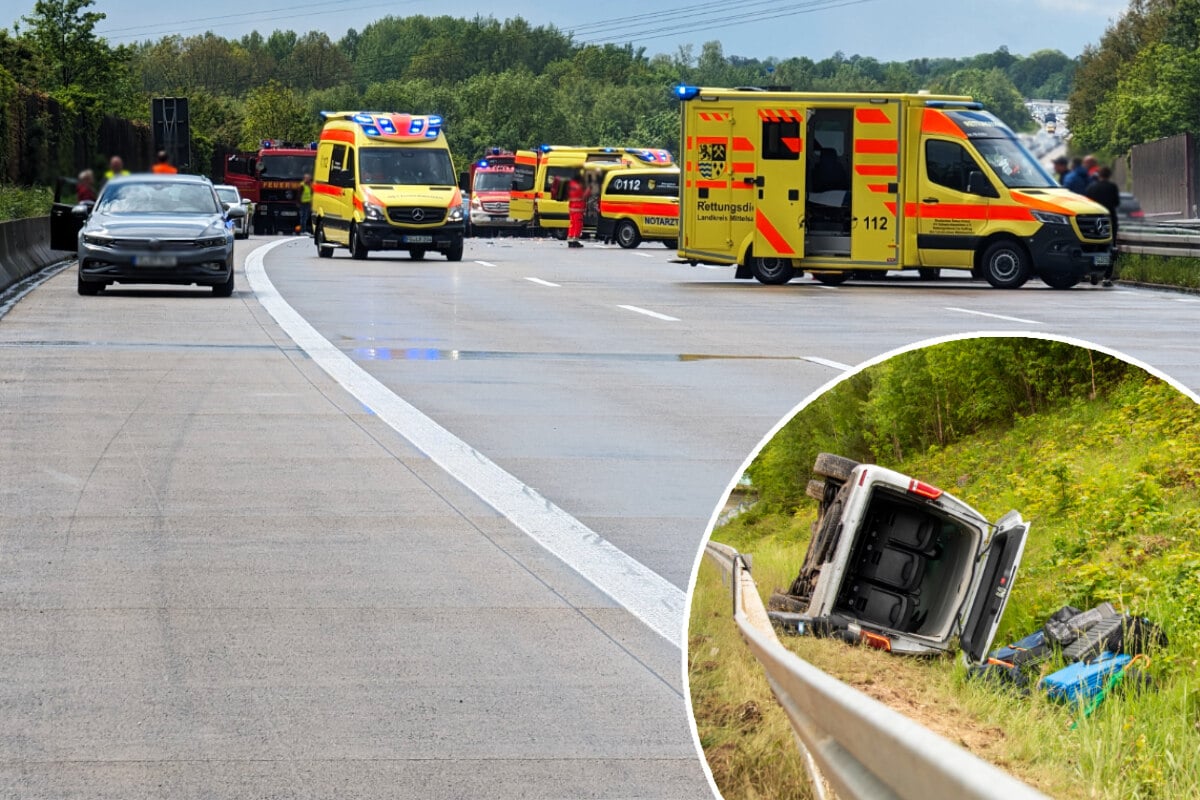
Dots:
pixel 388 528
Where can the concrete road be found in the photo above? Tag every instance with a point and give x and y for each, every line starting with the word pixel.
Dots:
pixel 222 576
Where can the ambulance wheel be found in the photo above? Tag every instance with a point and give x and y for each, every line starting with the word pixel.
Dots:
pixel 324 248
pixel 627 235
pixel 929 273
pixel 358 250
pixel 417 254
pixel 671 244
pixel 1005 264
pixel 559 233
pixel 1059 281
pixel 831 278
pixel 455 252
pixel 772 271
pixel 838 468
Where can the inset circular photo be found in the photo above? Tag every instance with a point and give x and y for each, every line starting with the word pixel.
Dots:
pixel 981 551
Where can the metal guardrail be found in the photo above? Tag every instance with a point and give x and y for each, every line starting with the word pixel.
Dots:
pixel 857 745
pixel 1180 238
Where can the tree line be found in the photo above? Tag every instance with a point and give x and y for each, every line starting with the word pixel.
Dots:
pixel 929 398
pixel 497 83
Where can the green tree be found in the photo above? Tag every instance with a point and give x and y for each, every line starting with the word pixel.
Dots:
pixel 275 111
pixel 62 33
pixel 994 89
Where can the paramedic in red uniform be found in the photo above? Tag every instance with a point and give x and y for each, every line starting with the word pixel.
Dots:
pixel 576 202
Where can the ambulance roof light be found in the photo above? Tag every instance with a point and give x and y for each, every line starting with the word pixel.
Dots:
pixel 971 104
pixel 684 92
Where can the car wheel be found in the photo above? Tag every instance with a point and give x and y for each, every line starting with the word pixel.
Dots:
pixel 671 244
pixel 324 248
pixel 417 254
pixel 1059 281
pixel 627 235
pixel 455 253
pixel 772 271
pixel 358 250
pixel 86 288
pixel 831 278
pixel 225 289
pixel 836 467
pixel 559 233
pixel 1005 264
pixel 929 273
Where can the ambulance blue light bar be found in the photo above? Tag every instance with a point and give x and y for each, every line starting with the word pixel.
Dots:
pixel 687 92
pixel 971 104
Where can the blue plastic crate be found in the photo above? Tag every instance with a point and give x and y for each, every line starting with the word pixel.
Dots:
pixel 1082 681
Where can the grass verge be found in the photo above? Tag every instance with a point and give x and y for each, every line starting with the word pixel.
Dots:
pixel 1162 270
pixel 19 202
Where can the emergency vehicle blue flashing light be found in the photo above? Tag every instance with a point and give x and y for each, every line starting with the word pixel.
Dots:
pixel 267 144
pixel 312 145
pixel 435 120
pixel 432 133
pixel 974 106
pixel 364 119
pixel 686 92
pixel 386 126
pixel 414 127
pixel 482 163
pixel 324 115
pixel 545 148
pixel 370 130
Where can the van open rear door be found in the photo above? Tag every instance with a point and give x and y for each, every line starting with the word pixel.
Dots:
pixel 999 567
pixel 524 189
pixel 711 226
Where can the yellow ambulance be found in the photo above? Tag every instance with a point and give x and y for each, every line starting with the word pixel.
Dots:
pixel 639 204
pixel 778 183
pixel 385 181
pixel 537 172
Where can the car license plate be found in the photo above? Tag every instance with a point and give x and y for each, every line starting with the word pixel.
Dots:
pixel 289 213
pixel 154 260
pixel 1101 259
pixel 418 240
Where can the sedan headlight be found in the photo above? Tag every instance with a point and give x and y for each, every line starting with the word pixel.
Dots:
pixel 97 239
pixel 212 241
pixel 374 212
pixel 1050 218
pixel 456 214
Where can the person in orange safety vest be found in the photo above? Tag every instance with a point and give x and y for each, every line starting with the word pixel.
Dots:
pixel 162 164
pixel 576 203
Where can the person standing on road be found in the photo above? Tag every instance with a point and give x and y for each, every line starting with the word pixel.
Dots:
pixel 1107 194
pixel 85 187
pixel 162 164
pixel 116 166
pixel 1077 179
pixel 305 203
pixel 1061 168
pixel 576 203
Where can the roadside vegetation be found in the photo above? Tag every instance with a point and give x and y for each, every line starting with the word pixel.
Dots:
pixel 18 202
pixel 1108 473
pixel 1179 271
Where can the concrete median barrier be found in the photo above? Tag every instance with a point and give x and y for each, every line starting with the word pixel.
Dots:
pixel 25 249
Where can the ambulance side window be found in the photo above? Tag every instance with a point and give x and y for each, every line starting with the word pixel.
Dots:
pixel 949 164
pixel 337 167
pixel 522 178
pixel 781 140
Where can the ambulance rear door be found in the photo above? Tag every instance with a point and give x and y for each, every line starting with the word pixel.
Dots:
pixel 715 213
pixel 524 188
pixel 775 174
pixel 874 189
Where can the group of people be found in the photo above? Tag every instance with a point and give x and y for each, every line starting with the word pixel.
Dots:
pixel 85 181
pixel 1085 176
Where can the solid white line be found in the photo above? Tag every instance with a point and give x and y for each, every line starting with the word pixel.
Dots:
pixel 485 263
pixel 1186 300
pixel 825 362
pixel 644 255
pixel 993 316
pixel 541 282
pixel 644 593
pixel 649 313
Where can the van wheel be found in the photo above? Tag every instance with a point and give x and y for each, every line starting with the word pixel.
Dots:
pixel 417 254
pixel 324 248
pixel 627 235
pixel 1059 281
pixel 559 233
pixel 1005 264
pixel 831 278
pixel 671 244
pixel 836 467
pixel 455 253
pixel 772 271
pixel 358 250
pixel 929 273
pixel 815 490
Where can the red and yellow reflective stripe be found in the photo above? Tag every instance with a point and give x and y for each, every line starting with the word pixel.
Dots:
pixel 641 207
pixel 872 116
pixel 336 135
pixel 984 211
pixel 881 147
pixel 771 233
pixel 937 122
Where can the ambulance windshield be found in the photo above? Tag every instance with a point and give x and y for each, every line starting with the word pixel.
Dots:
pixel 1012 163
pixel 406 166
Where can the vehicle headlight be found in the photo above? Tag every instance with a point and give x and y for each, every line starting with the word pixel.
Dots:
pixel 211 241
pixel 455 214
pixel 97 239
pixel 1050 218
pixel 374 212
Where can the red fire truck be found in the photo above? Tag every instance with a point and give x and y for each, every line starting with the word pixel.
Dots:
pixel 491 188
pixel 271 179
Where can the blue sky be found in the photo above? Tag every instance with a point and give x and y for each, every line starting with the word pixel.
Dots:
pixel 884 29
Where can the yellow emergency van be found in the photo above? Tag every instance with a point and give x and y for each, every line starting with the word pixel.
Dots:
pixel 781 182
pixel 385 181
pixel 537 172
pixel 640 204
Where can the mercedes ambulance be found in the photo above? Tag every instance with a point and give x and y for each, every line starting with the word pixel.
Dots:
pixel 385 181
pixel 639 204
pixel 491 192
pixel 537 172
pixel 777 183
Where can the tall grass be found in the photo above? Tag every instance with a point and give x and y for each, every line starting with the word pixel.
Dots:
pixel 1162 270
pixel 19 202
pixel 1112 491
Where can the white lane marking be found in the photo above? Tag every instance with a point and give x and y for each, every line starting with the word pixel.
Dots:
pixel 649 313
pixel 541 282
pixel 644 593
pixel 825 286
pixel 993 316
pixel 485 263
pixel 1186 300
pixel 643 255
pixel 825 362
